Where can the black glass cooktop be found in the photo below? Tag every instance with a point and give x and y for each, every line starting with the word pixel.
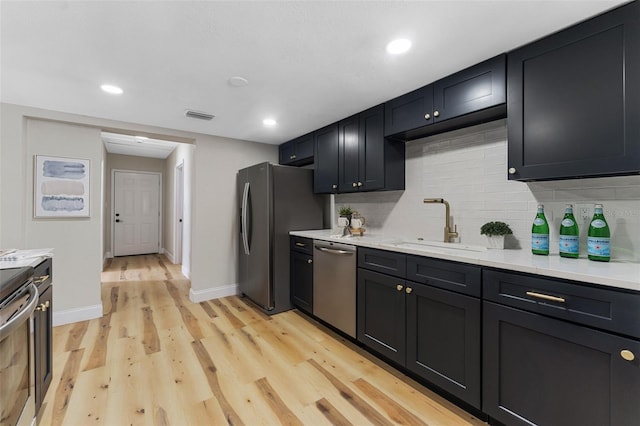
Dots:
pixel 12 279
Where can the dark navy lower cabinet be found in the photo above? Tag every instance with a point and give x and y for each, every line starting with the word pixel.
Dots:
pixel 381 314
pixel 432 332
pixel 540 370
pixel 443 340
pixel 301 273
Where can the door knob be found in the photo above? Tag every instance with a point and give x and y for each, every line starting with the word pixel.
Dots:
pixel 408 290
pixel 436 113
pixel 334 186
pixel 359 184
pixel 399 287
pixel 427 116
pixel 512 170
pixel 309 261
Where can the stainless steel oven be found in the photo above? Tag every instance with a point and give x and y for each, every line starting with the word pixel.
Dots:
pixel 18 300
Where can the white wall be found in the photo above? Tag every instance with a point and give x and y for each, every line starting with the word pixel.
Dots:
pixel 215 216
pixel 468 168
pixel 78 244
pixel 183 154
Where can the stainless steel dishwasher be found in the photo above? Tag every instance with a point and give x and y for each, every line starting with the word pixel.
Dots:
pixel 334 284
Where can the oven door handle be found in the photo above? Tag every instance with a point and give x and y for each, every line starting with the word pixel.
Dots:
pixel 23 315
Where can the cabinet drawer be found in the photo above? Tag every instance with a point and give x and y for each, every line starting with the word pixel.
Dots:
pixel 607 309
pixel 452 276
pixel 383 261
pixel 43 274
pixel 301 244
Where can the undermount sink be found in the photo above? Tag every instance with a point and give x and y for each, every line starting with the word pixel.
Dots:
pixel 437 247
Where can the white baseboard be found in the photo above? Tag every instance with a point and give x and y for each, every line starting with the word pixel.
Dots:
pixel 197 296
pixel 77 314
pixel 186 271
pixel 108 255
pixel 169 256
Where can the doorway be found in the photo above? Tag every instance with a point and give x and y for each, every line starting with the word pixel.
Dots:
pixel 136 214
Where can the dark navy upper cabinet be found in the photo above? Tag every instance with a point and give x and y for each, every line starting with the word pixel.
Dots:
pixel 297 152
pixel 409 111
pixel 368 161
pixel 325 174
pixel 473 89
pixel 474 95
pixel 574 100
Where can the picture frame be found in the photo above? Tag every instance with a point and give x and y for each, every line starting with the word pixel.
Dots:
pixel 61 187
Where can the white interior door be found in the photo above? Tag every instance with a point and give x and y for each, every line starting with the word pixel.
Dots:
pixel 136 220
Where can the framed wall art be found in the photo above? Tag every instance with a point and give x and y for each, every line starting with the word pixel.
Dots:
pixel 61 187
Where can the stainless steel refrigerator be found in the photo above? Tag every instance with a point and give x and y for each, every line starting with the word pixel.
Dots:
pixel 273 201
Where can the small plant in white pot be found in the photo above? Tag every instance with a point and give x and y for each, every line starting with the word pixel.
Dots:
pixel 495 232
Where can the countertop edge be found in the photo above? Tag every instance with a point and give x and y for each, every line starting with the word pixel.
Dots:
pixel 620 275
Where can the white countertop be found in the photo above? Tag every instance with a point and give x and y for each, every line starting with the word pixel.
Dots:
pixel 624 275
pixel 22 258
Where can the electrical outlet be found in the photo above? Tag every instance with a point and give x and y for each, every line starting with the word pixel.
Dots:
pixel 584 212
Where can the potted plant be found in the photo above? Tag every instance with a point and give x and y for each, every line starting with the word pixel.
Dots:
pixel 495 232
pixel 345 212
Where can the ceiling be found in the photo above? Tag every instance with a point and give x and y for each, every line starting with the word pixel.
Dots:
pixel 308 63
pixel 137 145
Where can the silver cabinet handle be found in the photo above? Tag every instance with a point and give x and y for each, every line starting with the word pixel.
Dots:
pixel 436 113
pixel 334 186
pixel 354 184
pixel 359 184
pixel 399 287
pixel 512 170
pixel 334 251
pixel 408 290
pixel 309 260
pixel 427 116
pixel 301 245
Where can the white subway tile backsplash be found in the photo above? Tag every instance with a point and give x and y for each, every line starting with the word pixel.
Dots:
pixel 468 168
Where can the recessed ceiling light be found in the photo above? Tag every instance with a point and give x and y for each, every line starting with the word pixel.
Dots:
pixel 238 81
pixel 111 89
pixel 398 46
pixel 269 122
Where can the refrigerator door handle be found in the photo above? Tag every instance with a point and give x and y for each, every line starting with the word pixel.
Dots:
pixel 245 200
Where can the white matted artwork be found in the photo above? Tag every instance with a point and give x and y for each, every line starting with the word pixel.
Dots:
pixel 61 187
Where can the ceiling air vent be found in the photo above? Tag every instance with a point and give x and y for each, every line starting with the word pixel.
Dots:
pixel 198 114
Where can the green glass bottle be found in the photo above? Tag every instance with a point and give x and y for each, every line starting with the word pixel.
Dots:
pixel 569 234
pixel 540 233
pixel 599 241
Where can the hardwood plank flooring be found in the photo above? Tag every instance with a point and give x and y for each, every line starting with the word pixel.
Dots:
pixel 155 358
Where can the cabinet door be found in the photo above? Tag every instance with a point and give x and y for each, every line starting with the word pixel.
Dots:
pixel 371 150
pixel 348 154
pixel 325 176
pixel 470 90
pixel 43 323
pixel 302 281
pixel 304 149
pixel 286 153
pixel 410 111
pixel 539 370
pixel 574 100
pixel 443 340
pixel 381 314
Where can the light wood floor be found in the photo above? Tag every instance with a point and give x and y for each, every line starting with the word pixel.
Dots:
pixel 155 358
